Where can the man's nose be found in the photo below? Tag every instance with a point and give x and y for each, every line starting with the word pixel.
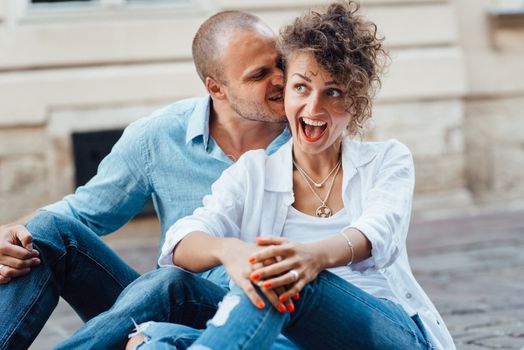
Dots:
pixel 277 79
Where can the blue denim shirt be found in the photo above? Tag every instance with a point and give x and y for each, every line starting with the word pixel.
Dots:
pixel 169 155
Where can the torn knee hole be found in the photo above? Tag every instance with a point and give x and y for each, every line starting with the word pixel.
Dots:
pixel 226 306
pixel 137 337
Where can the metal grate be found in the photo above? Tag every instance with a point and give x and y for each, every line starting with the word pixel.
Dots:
pixel 89 149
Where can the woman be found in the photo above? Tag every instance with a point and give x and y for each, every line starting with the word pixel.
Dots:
pixel 322 202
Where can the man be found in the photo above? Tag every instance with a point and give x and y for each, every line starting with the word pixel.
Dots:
pixel 174 156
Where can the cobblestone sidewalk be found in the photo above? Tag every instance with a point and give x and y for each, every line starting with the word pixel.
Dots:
pixel 471 267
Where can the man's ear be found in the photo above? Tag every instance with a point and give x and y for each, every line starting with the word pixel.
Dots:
pixel 215 88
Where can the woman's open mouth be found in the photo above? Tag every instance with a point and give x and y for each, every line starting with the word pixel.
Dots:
pixel 313 129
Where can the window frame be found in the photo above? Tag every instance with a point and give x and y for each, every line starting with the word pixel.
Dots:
pixel 27 12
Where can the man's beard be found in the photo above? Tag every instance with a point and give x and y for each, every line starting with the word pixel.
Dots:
pixel 255 111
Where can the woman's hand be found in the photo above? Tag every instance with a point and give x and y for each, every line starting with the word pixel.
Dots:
pixel 287 256
pixel 235 255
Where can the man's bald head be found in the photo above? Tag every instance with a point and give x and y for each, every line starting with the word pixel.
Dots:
pixel 212 36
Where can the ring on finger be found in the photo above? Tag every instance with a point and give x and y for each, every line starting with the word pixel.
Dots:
pixel 294 274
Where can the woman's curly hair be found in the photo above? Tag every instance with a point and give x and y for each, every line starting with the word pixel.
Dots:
pixel 347 46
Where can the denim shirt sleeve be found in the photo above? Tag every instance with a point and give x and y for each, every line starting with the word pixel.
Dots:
pixel 386 210
pixel 220 215
pixel 118 191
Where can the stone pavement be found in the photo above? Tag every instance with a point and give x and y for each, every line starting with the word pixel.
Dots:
pixel 470 266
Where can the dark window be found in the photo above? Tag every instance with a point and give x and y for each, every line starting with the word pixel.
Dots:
pixel 89 149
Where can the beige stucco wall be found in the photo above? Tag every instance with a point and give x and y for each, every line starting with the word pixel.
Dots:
pixel 452 92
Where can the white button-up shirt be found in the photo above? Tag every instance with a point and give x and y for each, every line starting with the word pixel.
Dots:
pixel 253 196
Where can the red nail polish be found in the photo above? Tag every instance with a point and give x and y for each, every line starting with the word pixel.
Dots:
pixel 267 285
pixel 296 296
pixel 261 304
pixel 282 298
pixel 255 276
pixel 290 307
pixel 251 259
pixel 281 308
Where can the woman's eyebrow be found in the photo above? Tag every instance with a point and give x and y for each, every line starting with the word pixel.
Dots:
pixel 331 82
pixel 302 76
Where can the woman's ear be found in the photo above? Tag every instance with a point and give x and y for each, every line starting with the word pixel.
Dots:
pixel 215 88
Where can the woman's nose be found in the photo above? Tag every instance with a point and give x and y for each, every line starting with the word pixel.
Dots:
pixel 314 105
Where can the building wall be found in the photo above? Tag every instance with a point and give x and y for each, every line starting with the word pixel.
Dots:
pixel 494 104
pixel 450 94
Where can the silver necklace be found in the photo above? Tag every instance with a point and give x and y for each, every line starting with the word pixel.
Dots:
pixel 323 211
pixel 317 184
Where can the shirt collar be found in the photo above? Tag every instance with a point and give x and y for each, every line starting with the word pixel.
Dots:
pixel 198 124
pixel 279 167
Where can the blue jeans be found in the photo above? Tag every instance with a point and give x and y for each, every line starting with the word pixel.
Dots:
pixel 76 265
pixel 176 300
pixel 167 336
pixel 331 314
pixel 165 295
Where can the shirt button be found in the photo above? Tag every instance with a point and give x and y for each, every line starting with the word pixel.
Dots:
pixel 408 295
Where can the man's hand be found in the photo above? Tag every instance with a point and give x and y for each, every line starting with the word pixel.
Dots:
pixel 17 255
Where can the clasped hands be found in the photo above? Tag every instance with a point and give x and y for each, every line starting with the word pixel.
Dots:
pixel 281 269
pixel 17 255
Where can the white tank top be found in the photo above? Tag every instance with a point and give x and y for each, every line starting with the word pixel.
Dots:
pixel 305 228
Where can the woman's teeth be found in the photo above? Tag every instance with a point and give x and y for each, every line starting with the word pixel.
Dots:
pixel 313 129
pixel 313 122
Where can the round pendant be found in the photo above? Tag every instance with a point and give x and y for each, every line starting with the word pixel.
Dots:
pixel 323 212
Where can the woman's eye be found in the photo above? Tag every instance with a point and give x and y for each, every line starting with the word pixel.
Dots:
pixel 333 93
pixel 300 88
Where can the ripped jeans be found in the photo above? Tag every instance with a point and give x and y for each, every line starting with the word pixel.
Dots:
pixel 169 295
pixel 330 314
pixel 168 336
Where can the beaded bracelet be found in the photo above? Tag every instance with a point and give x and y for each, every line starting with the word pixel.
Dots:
pixel 350 245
